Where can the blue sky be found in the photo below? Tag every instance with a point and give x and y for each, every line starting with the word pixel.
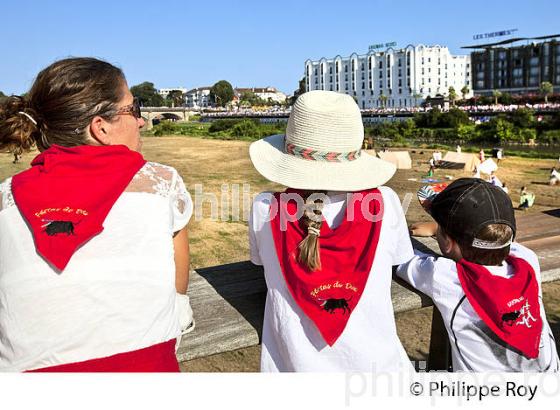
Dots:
pixel 249 43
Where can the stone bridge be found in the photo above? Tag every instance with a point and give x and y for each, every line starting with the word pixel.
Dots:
pixel 165 113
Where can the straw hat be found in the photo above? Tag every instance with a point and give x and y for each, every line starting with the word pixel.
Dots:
pixel 321 149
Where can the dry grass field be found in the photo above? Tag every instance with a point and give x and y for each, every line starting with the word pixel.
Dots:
pixel 212 164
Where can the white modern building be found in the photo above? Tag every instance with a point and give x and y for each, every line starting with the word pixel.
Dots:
pixel 198 97
pixel 394 78
pixel 164 92
pixel 264 93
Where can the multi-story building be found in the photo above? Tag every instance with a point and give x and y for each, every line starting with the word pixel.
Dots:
pixel 198 97
pixel 164 92
pixel 394 78
pixel 264 93
pixel 515 69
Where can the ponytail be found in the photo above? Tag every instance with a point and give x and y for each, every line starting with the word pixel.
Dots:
pixel 309 252
pixel 19 125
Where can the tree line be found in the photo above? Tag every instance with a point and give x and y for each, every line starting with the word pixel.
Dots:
pixel 435 126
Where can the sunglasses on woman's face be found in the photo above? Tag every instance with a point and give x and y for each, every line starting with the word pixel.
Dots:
pixel 131 109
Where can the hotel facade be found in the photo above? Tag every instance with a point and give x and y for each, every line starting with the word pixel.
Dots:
pixel 516 69
pixel 394 78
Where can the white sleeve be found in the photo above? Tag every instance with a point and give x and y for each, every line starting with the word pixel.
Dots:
pixel 180 202
pixel 401 247
pixel 419 272
pixel 253 245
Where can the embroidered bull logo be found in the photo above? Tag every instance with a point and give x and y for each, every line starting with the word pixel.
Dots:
pixel 331 304
pixel 53 228
pixel 510 317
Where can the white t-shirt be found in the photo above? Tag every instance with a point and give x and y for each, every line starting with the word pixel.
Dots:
pixel 290 340
pixel 474 346
pixel 117 293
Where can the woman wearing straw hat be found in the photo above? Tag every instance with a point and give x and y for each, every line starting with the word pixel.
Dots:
pixel 327 244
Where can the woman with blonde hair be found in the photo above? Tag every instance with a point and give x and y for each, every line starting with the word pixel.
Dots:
pixel 327 244
pixel 93 238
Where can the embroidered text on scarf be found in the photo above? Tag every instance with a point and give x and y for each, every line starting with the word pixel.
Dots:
pixel 67 193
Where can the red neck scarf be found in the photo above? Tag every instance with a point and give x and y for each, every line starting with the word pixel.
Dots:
pixel 67 193
pixel 328 296
pixel 509 307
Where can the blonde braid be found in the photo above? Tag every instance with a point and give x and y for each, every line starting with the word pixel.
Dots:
pixel 309 254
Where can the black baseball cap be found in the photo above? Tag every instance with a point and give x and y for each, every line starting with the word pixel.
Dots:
pixel 467 205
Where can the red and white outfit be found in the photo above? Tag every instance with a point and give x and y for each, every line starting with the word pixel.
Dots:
pixel 484 336
pixel 294 338
pixel 111 305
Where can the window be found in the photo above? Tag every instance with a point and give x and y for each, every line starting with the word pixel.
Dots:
pixel 380 84
pixel 330 78
pixel 400 72
pixel 400 62
pixel 345 77
pixel 381 74
pixel 330 70
pixel 380 64
pixel 388 73
pixel 429 60
pixel 315 71
pixel 346 87
pixel 400 82
pixel 400 90
pixel 345 68
pixel 363 93
pixel 362 66
pixel 363 84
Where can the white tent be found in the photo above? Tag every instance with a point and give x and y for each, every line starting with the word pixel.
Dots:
pixel 401 159
pixel 456 160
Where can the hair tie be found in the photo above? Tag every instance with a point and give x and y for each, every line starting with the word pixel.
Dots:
pixel 313 231
pixel 28 116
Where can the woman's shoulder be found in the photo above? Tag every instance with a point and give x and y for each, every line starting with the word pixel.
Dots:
pixel 6 197
pixel 157 170
pixel 155 178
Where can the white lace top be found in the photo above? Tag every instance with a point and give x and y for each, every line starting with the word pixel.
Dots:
pixel 117 293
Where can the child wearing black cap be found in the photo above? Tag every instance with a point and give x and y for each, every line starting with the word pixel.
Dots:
pixel 486 286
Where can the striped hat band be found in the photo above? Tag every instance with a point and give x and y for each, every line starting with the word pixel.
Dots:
pixel 315 155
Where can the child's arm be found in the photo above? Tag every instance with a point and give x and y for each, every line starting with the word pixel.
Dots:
pixel 419 272
pixel 423 229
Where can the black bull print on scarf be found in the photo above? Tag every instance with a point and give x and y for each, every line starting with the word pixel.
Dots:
pixel 330 305
pixel 55 227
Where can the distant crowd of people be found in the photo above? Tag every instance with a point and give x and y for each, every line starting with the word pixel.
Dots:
pixel 282 111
